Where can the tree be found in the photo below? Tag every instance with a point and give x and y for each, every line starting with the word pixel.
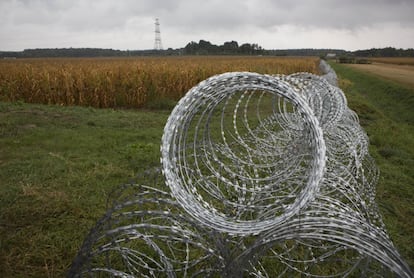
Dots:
pixel 246 48
pixel 231 47
pixel 191 48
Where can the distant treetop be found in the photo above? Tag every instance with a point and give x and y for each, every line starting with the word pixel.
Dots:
pixel 204 47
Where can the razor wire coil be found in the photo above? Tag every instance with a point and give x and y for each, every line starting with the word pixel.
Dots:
pixel 261 176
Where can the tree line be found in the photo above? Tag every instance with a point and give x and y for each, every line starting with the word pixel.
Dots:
pixel 228 48
pixel 385 52
pixel 204 47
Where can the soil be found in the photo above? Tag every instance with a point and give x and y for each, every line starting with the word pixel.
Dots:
pixel 401 73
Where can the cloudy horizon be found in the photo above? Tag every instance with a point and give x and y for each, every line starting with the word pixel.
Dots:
pixel 281 24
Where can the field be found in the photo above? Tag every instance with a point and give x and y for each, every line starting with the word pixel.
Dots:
pixel 59 164
pixel 396 69
pixel 129 83
pixel 394 60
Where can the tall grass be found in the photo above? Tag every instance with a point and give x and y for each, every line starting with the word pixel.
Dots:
pixel 123 82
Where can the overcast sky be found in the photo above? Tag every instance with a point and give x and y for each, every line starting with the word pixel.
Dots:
pixel 273 24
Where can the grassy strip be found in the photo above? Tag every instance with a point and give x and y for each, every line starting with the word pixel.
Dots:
pixel 57 167
pixel 386 112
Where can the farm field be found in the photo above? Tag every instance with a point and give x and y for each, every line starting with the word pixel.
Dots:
pixel 151 82
pixel 394 60
pixel 59 164
pixel 401 73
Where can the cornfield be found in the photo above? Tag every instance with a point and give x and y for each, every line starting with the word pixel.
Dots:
pixel 125 82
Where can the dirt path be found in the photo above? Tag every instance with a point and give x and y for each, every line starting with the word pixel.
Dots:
pixel 400 73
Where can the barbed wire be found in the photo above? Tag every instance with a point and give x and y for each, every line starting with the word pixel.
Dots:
pixel 263 176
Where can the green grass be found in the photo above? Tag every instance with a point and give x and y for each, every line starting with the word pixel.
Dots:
pixel 57 167
pixel 386 112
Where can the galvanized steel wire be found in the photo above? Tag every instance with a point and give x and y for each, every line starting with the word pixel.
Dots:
pixel 263 176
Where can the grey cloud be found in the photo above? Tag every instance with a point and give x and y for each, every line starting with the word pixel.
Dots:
pixel 349 14
pixel 215 14
pixel 337 14
pixel 196 18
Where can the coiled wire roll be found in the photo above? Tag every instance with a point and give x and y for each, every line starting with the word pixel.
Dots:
pixel 263 176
